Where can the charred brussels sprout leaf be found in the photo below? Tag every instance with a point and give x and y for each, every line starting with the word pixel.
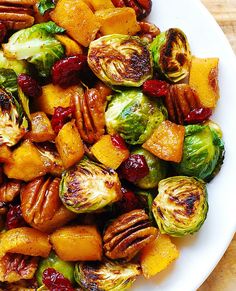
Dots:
pixel 146 199
pixel 37 45
pixel 203 152
pixel 181 206
pixel 134 116
pixel 13 123
pixel 120 60
pixel 89 186
pixel 53 261
pixel 171 54
pixel 157 170
pixel 106 276
pixel 8 81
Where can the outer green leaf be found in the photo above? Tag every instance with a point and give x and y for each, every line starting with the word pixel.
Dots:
pixel 45 5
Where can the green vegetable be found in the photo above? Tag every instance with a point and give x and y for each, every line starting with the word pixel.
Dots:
pixel 37 45
pixel 171 54
pixel 119 59
pixel 181 206
pixel 157 169
pixel 146 200
pixel 13 123
pixel 89 186
pixel 53 261
pixel 106 276
pixel 202 154
pixel 134 116
pixel 8 81
pixel 45 5
pixel 18 67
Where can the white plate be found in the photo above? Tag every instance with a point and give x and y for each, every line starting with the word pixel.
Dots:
pixel 201 252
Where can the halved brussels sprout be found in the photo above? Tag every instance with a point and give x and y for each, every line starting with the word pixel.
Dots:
pixel 106 276
pixel 203 152
pixel 134 116
pixel 181 206
pixel 119 59
pixel 157 169
pixel 171 54
pixel 89 186
pixel 53 261
pixel 17 66
pixel 13 123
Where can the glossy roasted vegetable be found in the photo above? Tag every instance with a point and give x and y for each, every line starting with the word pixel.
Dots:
pixel 53 261
pixel 119 59
pixel 107 276
pixel 203 152
pixel 157 169
pixel 18 66
pixel 89 186
pixel 171 54
pixel 181 206
pixel 13 123
pixel 37 45
pixel 134 116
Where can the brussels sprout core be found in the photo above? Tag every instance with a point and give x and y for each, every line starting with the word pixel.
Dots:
pixel 181 205
pixel 171 54
pixel 89 186
pixel 121 60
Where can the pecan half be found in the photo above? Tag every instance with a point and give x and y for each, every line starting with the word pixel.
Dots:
pixel 90 114
pixel 128 234
pixel 14 267
pixel 148 31
pixel 41 205
pixel 9 190
pixel 17 14
pixel 180 100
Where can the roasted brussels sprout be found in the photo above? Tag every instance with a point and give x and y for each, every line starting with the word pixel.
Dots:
pixel 53 261
pixel 203 152
pixel 106 276
pixel 146 199
pixel 13 123
pixel 119 59
pixel 181 206
pixel 18 67
pixel 157 169
pixel 89 186
pixel 134 116
pixel 171 54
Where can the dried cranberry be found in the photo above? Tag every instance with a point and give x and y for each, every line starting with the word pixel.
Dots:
pixel 155 88
pixel 3 31
pixel 118 142
pixel 29 85
pixel 198 115
pixel 60 117
pixel 55 281
pixel 128 202
pixel 14 217
pixel 134 168
pixel 65 72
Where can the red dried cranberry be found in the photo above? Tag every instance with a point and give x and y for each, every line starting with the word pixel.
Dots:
pixel 155 88
pixel 134 168
pixel 55 281
pixel 128 202
pixel 14 217
pixel 198 115
pixel 60 117
pixel 3 31
pixel 29 85
pixel 65 72
pixel 118 142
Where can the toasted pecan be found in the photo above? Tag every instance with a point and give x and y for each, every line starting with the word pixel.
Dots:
pixel 9 190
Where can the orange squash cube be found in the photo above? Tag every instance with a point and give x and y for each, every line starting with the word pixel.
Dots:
pixel 77 243
pixel 167 142
pixel 158 255
pixel 5 154
pixel 107 153
pixel 71 46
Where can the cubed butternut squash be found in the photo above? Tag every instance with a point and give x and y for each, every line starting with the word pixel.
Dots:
pixel 25 241
pixel 204 79
pixel 5 154
pixel 72 47
pixel 158 255
pixel 26 163
pixel 69 144
pixel 118 20
pixel 107 153
pixel 78 19
pixel 98 4
pixel 167 142
pixel 41 128
pixel 77 243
